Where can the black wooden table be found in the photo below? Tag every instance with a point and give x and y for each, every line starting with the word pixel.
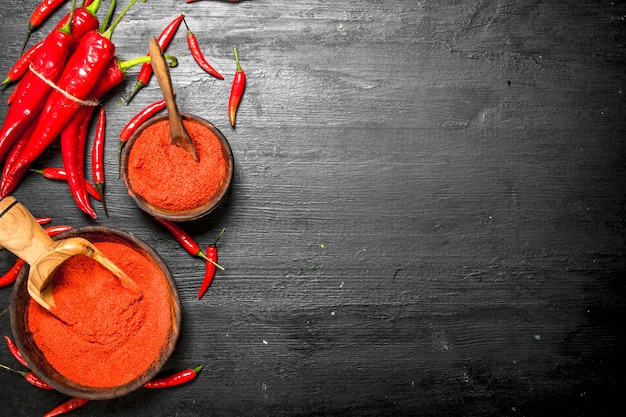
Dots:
pixel 428 214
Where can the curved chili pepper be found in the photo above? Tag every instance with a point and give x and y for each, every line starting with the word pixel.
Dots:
pixel 198 56
pixel 132 125
pixel 14 350
pixel 69 405
pixel 32 91
pixel 185 240
pixel 43 220
pixel 39 15
pixel 30 377
pixel 236 91
pixel 73 143
pixel 81 73
pixel 176 379
pixel 97 157
pixel 61 175
pixel 21 65
pixel 84 19
pixel 58 229
pixel 209 273
pixel 10 276
pixel 145 73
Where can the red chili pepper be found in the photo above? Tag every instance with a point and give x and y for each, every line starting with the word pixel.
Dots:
pixel 198 56
pixel 185 240
pixel 32 91
pixel 14 350
pixel 10 276
pixel 30 377
pixel 21 65
pixel 43 220
pixel 82 71
pixel 236 91
pixel 69 405
pixel 175 379
pixel 97 157
pixel 61 175
pixel 39 15
pixel 211 254
pixel 58 229
pixel 146 71
pixel 84 19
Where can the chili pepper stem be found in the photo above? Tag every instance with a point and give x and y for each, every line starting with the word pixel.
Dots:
pixel 23 373
pixel 109 32
pixel 201 254
pixel 100 188
pixel 108 17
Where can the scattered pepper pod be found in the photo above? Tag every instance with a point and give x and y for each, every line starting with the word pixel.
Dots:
pixel 198 56
pixel 39 15
pixel 236 91
pixel 30 377
pixel 21 65
pixel 15 352
pixel 67 406
pixel 97 157
pixel 209 273
pixel 178 378
pixel 54 173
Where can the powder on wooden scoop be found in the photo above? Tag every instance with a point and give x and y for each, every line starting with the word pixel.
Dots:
pixel 107 335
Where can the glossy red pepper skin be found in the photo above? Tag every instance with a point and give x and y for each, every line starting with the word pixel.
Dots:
pixel 81 73
pixel 21 65
pixel 97 156
pixel 198 56
pixel 236 91
pixel 178 378
pixel 64 408
pixel 58 229
pixel 85 19
pixel 15 351
pixel 30 378
pixel 73 143
pixel 32 91
pixel 39 15
pixel 164 39
pixel 60 174
pixel 138 119
pixel 11 274
pixel 185 240
pixel 209 273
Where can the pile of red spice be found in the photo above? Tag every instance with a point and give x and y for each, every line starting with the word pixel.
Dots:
pixel 107 335
pixel 167 176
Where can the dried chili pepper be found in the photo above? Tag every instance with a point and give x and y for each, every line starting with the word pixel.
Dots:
pixel 39 15
pixel 198 56
pixel 97 157
pixel 67 406
pixel 15 351
pixel 176 379
pixel 82 71
pixel 236 91
pixel 60 174
pixel 209 273
pixel 32 91
pixel 145 73
pixel 21 65
pixel 30 377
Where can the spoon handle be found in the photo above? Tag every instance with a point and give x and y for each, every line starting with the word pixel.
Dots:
pixel 19 231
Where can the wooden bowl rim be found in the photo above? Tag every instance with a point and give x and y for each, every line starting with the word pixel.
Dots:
pixel 188 214
pixel 44 370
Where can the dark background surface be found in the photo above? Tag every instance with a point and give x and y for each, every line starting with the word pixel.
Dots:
pixel 427 217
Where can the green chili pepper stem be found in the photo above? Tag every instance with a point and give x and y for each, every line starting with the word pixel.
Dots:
pixel 23 373
pixel 198 368
pixel 93 7
pixel 67 27
pixel 109 32
pixel 108 17
pixel 237 59
pixel 201 255
pixel 146 58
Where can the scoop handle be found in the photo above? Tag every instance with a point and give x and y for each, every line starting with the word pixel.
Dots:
pixel 19 231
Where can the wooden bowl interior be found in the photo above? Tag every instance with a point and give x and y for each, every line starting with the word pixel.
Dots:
pixel 35 358
pixel 180 215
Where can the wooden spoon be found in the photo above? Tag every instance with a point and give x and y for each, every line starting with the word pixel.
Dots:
pixel 21 234
pixel 178 134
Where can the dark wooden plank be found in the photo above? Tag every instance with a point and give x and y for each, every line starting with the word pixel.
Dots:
pixel 427 217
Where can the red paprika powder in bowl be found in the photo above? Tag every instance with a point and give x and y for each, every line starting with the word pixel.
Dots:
pixel 165 181
pixel 106 341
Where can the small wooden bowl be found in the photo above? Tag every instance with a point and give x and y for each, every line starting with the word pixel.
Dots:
pixel 37 361
pixel 188 214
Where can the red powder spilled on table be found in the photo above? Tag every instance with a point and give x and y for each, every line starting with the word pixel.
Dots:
pixel 167 176
pixel 108 335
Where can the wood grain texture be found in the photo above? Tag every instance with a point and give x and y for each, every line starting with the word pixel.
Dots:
pixel 427 215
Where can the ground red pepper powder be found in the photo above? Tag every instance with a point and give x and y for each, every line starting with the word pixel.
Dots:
pixel 167 176
pixel 107 336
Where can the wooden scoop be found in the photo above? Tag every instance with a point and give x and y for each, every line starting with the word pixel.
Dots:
pixel 21 234
pixel 178 134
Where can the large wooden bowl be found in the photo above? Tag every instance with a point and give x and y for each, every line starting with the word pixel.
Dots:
pixel 37 361
pixel 187 214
